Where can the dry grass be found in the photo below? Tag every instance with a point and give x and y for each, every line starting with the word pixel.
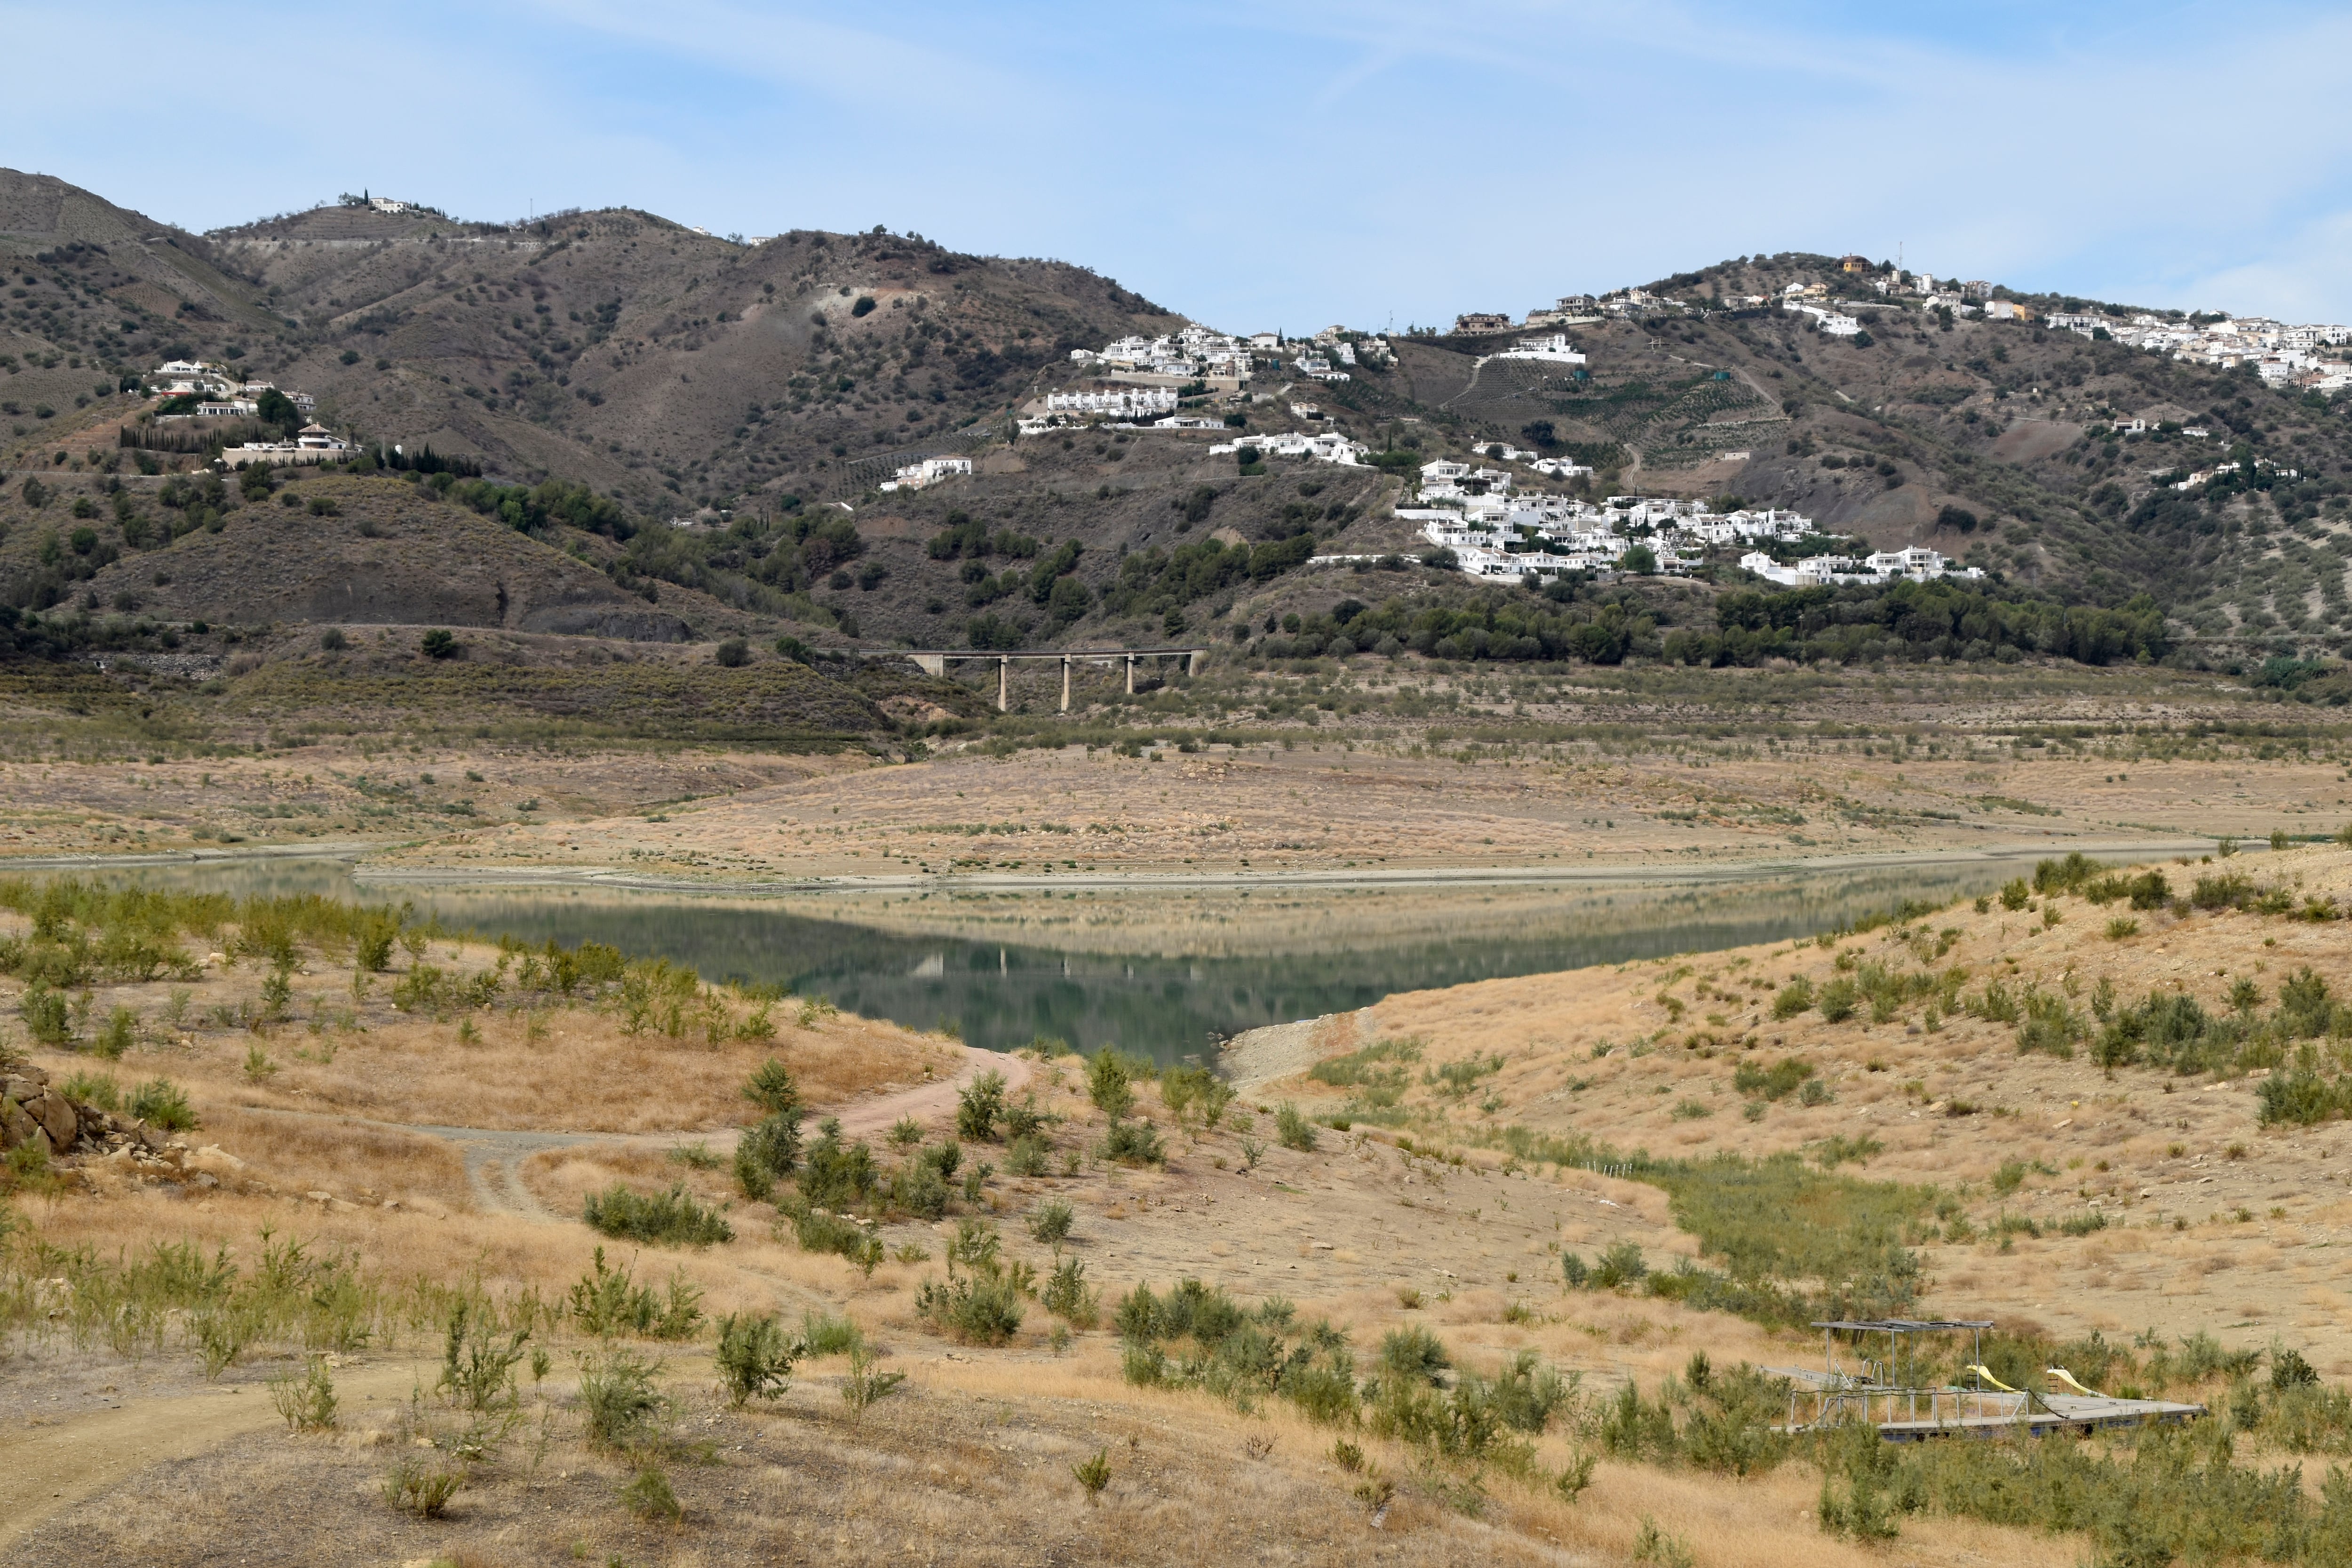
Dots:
pixel 1895 1082
pixel 970 1462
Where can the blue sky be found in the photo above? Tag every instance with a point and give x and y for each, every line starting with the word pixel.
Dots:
pixel 1273 163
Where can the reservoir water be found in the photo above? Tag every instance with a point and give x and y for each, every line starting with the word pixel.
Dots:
pixel 1165 970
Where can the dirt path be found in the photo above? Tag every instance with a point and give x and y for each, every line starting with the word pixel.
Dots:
pixel 494 1156
pixel 47 1470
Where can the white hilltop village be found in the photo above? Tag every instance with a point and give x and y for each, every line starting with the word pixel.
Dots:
pixel 1498 522
pixel 1476 518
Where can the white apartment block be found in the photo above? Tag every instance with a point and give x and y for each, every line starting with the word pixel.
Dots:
pixel 1917 564
pixel 1118 403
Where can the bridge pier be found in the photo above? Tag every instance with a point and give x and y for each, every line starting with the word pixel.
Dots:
pixel 931 663
pixel 1003 685
pixel 1130 674
pixel 1065 683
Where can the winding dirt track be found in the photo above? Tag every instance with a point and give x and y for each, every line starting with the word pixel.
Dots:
pixel 45 1470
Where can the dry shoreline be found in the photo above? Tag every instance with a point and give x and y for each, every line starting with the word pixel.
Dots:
pixel 1630 873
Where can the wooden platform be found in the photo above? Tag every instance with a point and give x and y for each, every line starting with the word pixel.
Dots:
pixel 1913 1414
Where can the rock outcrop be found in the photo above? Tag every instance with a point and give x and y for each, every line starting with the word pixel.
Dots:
pixel 33 1112
pixel 114 1149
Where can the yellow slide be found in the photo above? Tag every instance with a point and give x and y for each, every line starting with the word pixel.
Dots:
pixel 1989 1378
pixel 2062 1375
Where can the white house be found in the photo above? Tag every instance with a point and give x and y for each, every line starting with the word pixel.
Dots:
pixel 179 377
pixel 927 473
pixel 311 443
pixel 1552 347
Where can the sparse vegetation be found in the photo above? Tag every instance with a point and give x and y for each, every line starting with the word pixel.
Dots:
pixel 671 1218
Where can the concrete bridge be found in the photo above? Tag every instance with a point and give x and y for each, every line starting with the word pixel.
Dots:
pixel 935 662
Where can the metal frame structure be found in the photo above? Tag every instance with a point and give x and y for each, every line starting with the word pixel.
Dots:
pixel 1889 1395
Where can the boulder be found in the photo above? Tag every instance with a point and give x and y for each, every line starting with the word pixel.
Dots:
pixel 15 1126
pixel 52 1112
pixel 212 1159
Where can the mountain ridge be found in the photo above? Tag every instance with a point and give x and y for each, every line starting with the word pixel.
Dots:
pixel 680 373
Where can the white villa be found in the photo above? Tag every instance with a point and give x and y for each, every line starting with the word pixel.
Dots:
pixel 1321 445
pixel 922 476
pixel 311 443
pixel 178 377
pixel 1552 347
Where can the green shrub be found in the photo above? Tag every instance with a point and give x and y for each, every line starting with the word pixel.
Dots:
pixel 837 1176
pixel 478 1361
pixel 764 1153
pixel 1621 1264
pixel 866 1384
pixel 1067 1297
pixel 1293 1130
pixel 1027 1157
pixel 754 1360
pixel 1050 1223
pixel 817 1230
pixel 1133 1144
pixel 1025 1121
pixel 771 1089
pixel 2302 1098
pixel 422 1490
pixel 122 1033
pixel 373 945
pixel 2050 1027
pixel 919 1189
pixel 1413 1354
pixel 93 1088
pixel 672 1218
pixel 607 1302
pixel 1795 997
pixel 824 1334
pixel 623 1407
pixel 1778 1081
pixel 981 1106
pixel 1838 999
pixel 49 1016
pixel 305 1403
pixel 161 1103
pixel 648 1493
pixel 1109 1085
pixel 1237 1355
pixel 981 1308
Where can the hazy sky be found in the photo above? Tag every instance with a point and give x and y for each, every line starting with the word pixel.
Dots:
pixel 1273 163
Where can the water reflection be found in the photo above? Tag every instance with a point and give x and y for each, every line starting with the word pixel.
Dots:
pixel 1163 971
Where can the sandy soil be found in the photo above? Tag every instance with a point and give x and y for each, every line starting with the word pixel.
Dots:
pixel 333 800
pixel 1068 817
pixel 1643 1057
